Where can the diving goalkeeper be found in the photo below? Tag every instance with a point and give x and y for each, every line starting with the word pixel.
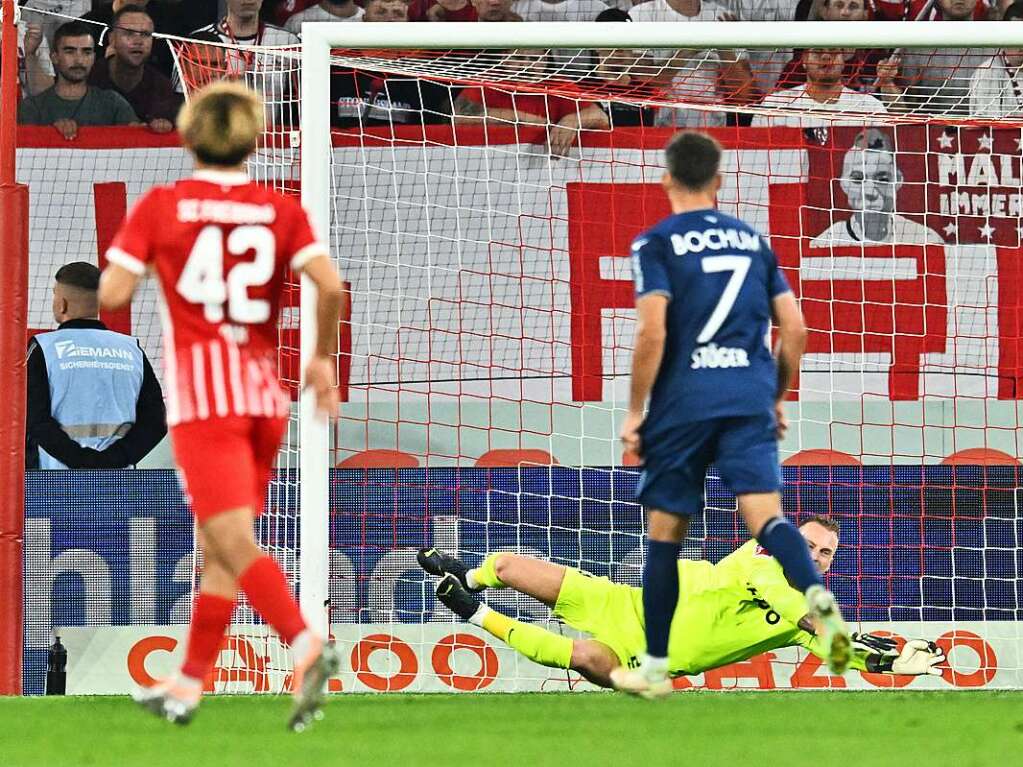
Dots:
pixel 726 613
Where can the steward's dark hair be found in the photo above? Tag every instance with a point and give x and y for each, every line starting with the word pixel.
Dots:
pixel 79 274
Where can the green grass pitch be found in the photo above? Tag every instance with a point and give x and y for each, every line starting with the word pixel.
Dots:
pixel 860 729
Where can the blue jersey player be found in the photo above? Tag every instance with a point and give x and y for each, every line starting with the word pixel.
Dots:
pixel 707 288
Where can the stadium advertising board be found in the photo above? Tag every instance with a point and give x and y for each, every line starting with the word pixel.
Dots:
pixel 924 552
pixel 461 658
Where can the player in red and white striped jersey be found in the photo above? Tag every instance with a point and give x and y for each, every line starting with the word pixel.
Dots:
pixel 220 246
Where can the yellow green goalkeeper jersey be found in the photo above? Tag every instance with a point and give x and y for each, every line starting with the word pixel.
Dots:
pixel 731 611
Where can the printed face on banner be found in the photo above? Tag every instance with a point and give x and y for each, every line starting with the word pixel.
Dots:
pixel 915 185
pixel 860 253
pixel 861 193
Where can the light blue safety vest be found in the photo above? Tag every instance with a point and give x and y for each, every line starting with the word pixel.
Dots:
pixel 95 378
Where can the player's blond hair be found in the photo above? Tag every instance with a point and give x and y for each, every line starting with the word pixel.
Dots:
pixel 221 123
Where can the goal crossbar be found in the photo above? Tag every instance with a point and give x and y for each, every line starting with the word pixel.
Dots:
pixel 700 34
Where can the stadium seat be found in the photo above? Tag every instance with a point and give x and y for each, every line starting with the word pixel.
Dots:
pixel 496 458
pixel 380 459
pixel 980 456
pixel 821 457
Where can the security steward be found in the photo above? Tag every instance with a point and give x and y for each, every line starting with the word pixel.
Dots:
pixel 93 400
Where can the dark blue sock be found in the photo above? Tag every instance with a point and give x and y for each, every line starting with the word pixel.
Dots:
pixel 784 542
pixel 660 594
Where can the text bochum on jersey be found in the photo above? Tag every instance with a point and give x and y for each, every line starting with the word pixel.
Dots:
pixel 720 277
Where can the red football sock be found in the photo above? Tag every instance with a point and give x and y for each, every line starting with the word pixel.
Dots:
pixel 267 589
pixel 211 615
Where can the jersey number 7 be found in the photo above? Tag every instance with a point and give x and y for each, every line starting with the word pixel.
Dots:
pixel 203 280
pixel 739 267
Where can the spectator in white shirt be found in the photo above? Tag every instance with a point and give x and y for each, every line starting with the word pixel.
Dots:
pixel 700 76
pixel 996 88
pixel 933 81
pixel 565 62
pixel 54 13
pixel 326 10
pixel 766 64
pixel 36 69
pixel 823 91
pixel 558 10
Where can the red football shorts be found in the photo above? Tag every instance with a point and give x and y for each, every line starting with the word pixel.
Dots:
pixel 226 463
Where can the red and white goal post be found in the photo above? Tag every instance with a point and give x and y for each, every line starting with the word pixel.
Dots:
pixel 485 368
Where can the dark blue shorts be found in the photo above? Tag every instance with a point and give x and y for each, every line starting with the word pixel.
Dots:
pixel 744 449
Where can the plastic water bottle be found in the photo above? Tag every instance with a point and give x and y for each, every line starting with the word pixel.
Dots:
pixel 56 668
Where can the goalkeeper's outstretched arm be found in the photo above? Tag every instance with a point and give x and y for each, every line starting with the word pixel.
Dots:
pixel 881 655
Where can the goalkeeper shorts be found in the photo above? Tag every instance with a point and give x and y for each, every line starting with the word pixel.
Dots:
pixel 608 611
pixel 743 449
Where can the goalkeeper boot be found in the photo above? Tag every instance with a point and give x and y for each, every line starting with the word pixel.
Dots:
pixel 315 662
pixel 438 563
pixel 831 628
pixel 174 699
pixel 649 681
pixel 453 595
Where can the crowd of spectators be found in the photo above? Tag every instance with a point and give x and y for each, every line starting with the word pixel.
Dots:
pixel 108 68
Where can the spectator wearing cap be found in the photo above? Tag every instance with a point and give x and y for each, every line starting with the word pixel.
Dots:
pixel 996 88
pixel 93 401
pixel 933 81
pixel 129 71
pixel 823 91
pixel 622 71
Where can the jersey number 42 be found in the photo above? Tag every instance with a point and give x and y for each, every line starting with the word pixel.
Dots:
pixel 203 280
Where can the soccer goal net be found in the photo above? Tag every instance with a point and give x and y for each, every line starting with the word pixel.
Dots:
pixel 480 204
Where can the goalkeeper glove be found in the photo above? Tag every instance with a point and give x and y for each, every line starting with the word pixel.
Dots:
pixel 872 643
pixel 918 656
